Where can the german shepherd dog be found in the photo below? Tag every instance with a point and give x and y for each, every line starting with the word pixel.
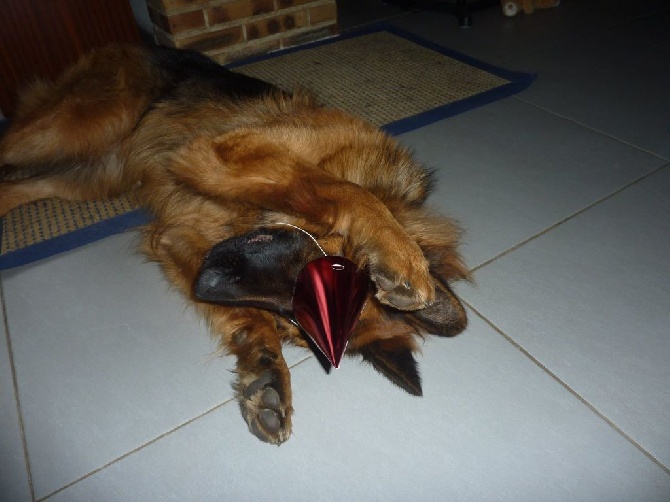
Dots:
pixel 223 162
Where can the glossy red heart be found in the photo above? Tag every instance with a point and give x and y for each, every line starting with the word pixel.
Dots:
pixel 327 301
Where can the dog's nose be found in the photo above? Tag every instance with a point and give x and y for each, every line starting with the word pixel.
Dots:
pixel 207 284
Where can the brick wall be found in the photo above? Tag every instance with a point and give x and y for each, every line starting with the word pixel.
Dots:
pixel 231 29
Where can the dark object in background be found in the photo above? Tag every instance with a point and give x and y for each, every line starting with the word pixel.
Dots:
pixel 460 8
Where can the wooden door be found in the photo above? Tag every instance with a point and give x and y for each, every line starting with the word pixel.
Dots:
pixel 39 38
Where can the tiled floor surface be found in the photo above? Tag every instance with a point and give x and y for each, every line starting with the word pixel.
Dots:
pixel 559 389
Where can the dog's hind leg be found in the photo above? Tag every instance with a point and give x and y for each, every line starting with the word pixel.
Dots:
pixel 73 184
pixel 91 106
pixel 17 193
pixel 44 157
pixel 66 134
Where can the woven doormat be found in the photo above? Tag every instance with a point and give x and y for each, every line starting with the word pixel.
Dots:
pixel 393 79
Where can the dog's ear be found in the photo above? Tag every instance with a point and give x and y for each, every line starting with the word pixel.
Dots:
pixel 395 361
pixel 445 317
pixel 257 269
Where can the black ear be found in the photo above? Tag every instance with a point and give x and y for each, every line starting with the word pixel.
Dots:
pixel 445 317
pixel 396 364
pixel 257 269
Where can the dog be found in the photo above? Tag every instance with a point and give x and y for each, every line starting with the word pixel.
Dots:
pixel 236 173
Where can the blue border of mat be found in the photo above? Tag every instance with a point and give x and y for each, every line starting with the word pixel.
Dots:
pixel 75 239
pixel 517 82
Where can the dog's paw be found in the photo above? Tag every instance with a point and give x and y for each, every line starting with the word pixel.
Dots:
pixel 403 280
pixel 266 413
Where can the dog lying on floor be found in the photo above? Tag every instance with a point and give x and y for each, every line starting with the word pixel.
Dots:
pixel 223 162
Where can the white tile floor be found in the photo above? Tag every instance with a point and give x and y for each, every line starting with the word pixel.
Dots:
pixel 559 389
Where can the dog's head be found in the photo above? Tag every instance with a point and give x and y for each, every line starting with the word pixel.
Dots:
pixel 259 269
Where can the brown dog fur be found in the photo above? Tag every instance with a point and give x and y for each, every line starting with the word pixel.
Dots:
pixel 213 156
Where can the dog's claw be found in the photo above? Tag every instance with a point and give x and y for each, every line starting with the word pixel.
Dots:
pixel 383 283
pixel 400 293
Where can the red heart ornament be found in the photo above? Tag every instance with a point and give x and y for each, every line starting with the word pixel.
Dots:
pixel 327 301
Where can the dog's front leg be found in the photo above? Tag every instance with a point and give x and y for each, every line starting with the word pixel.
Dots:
pixel 263 384
pixel 249 167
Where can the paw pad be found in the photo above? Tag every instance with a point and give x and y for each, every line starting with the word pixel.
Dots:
pixel 264 411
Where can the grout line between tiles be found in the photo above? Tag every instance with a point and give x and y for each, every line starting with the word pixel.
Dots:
pixel 572 391
pixel 643 15
pixel 591 128
pixel 17 401
pixel 135 450
pixel 147 443
pixel 569 217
